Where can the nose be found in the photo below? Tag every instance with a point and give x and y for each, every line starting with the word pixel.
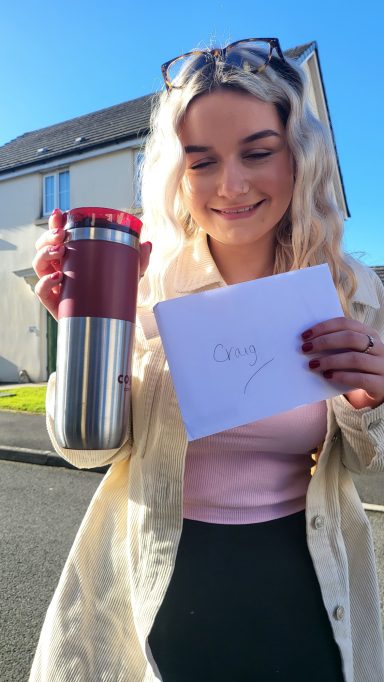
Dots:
pixel 232 181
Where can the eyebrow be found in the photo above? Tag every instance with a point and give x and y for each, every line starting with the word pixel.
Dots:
pixel 193 148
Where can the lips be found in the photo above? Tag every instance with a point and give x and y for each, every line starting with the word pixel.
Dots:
pixel 238 210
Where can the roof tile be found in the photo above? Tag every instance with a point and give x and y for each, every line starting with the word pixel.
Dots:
pixel 114 124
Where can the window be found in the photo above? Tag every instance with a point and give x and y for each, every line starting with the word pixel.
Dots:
pixel 138 161
pixel 56 192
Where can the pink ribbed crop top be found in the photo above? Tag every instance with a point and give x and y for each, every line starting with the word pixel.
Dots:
pixel 256 472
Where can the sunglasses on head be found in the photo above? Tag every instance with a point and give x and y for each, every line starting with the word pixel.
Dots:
pixel 250 54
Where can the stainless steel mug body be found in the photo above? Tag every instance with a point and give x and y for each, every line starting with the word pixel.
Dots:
pixel 96 330
pixel 93 382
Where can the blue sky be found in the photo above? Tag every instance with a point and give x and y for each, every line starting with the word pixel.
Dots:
pixel 61 60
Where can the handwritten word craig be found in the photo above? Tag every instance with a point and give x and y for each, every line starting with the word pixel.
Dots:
pixel 223 354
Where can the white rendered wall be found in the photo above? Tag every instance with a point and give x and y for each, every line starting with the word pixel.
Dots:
pixel 22 325
pixel 103 181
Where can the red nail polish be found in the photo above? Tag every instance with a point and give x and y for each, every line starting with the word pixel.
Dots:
pixel 307 334
pixel 57 230
pixel 56 276
pixel 328 374
pixel 149 244
pixel 56 211
pixel 306 347
pixel 314 364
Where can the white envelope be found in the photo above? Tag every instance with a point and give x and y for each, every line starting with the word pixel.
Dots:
pixel 234 353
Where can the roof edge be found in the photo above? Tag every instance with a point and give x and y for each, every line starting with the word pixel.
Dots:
pixel 59 160
pixel 76 118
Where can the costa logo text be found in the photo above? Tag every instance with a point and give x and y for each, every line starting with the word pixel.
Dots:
pixel 126 380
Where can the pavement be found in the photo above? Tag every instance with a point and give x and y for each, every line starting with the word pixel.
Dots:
pixel 24 438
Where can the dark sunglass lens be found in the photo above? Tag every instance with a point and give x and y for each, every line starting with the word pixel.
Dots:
pixel 183 68
pixel 249 56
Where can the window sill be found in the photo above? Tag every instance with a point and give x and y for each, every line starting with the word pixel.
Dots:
pixel 42 221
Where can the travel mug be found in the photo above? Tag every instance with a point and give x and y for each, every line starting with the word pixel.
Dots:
pixel 96 321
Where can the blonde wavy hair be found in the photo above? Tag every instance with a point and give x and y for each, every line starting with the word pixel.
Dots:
pixel 310 232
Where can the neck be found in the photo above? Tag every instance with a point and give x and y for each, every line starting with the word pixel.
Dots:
pixel 240 263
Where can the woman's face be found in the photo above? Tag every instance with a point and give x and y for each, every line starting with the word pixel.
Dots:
pixel 238 180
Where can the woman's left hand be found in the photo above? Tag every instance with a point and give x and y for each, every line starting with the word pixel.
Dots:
pixel 350 359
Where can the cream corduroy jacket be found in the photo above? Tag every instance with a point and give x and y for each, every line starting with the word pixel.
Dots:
pixel 122 559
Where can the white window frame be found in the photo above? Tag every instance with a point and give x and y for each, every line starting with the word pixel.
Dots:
pixel 55 176
pixel 137 163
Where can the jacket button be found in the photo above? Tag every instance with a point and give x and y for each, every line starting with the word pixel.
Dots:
pixel 318 522
pixel 339 613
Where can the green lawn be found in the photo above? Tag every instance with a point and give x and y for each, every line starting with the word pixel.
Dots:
pixel 27 399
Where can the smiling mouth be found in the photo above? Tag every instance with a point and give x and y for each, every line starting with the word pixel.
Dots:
pixel 238 211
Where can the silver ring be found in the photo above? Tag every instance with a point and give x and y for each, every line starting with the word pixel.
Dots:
pixel 371 343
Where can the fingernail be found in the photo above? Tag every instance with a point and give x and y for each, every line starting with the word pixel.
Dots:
pixel 55 249
pixel 328 374
pixel 56 211
pixel 56 276
pixel 307 334
pixel 314 364
pixel 306 347
pixel 149 244
pixel 57 230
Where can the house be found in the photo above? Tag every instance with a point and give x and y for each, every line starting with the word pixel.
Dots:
pixel 89 160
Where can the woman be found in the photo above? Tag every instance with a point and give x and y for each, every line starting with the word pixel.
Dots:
pixel 223 559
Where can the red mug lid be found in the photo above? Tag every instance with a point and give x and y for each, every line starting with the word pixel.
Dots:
pixel 98 213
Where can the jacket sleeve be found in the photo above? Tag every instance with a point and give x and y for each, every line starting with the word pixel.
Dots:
pixel 362 434
pixel 363 430
pixel 82 459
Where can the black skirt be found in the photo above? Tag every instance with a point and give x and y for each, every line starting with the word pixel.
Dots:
pixel 244 605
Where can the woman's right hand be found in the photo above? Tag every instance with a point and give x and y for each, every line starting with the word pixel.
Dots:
pixel 48 262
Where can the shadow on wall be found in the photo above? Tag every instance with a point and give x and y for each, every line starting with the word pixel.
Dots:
pixel 7 246
pixel 9 372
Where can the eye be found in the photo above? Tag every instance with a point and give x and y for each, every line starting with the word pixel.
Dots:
pixel 257 155
pixel 201 164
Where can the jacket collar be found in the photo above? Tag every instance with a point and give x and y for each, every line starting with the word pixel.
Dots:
pixel 366 293
pixel 196 269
